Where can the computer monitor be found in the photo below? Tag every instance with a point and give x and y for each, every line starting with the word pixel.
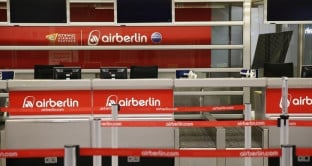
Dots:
pixel 67 73
pixel 271 48
pixel 38 11
pixel 44 71
pixel 7 75
pixel 143 71
pixel 278 70
pixel 306 71
pixel 290 12
pixel 113 73
pixel 144 11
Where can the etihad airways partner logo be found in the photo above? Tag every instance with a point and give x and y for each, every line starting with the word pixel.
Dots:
pixel 31 102
pixel 62 37
pixel 95 38
pixel 132 101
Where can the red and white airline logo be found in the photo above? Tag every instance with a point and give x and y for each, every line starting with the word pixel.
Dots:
pixel 133 98
pixel 60 102
pixel 133 102
pixel 31 102
pixel 298 101
pixel 288 101
pixel 95 38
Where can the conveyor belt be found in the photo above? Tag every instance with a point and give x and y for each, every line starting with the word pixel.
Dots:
pixel 200 138
pixel 234 138
pixel 196 138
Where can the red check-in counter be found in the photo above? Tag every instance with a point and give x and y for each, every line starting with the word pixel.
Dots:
pixel 138 94
pixel 268 106
pixel 299 96
pixel 40 113
pixel 53 113
pixel 132 94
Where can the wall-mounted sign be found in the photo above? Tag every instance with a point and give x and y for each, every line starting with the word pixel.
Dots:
pixel 97 36
pixel 79 102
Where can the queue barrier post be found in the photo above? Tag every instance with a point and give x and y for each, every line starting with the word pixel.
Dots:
pixel 288 155
pixel 283 122
pixel 71 155
pixel 115 110
pixel 287 158
pixel 247 116
pixel 96 139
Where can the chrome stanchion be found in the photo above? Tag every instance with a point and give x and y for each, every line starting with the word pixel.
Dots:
pixel 247 116
pixel 71 155
pixel 287 150
pixel 284 132
pixel 115 109
pixel 286 159
pixel 96 133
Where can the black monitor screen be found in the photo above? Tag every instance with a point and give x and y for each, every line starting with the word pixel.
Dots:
pixel 44 71
pixel 306 71
pixel 144 72
pixel 113 73
pixel 278 70
pixel 288 10
pixel 67 73
pixel 144 11
pixel 38 11
pixel 271 48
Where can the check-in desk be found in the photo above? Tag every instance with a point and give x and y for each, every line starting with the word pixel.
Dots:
pixel 218 137
pixel 55 131
pixel 298 136
pixel 138 137
pixel 45 131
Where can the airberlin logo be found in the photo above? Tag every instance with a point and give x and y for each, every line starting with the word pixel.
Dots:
pixel 297 101
pixel 96 38
pixel 132 101
pixel 31 102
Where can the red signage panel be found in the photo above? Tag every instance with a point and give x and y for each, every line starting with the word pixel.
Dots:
pixel 113 35
pixel 142 99
pixel 79 102
pixel 50 102
pixel 299 101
